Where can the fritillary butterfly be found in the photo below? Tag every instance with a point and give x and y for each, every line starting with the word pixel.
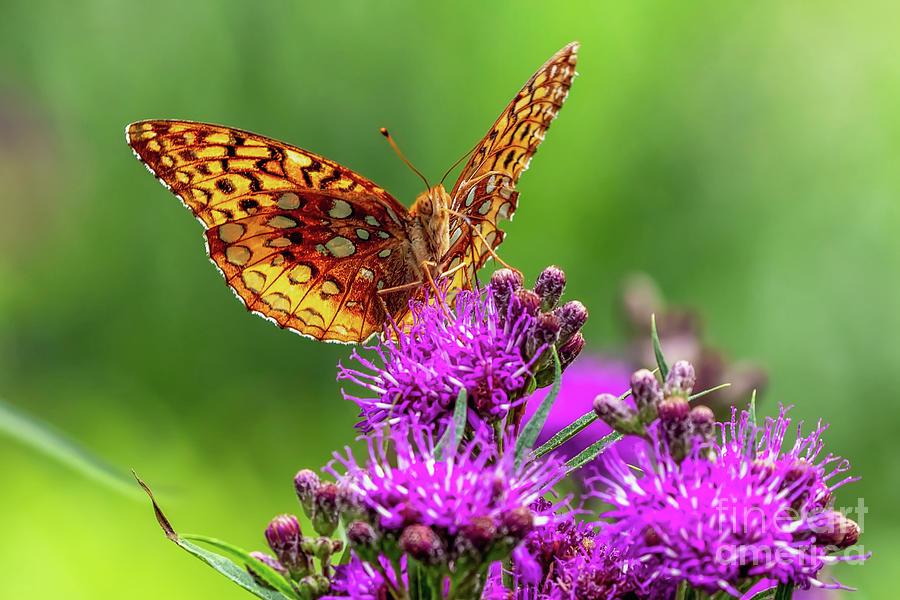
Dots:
pixel 309 244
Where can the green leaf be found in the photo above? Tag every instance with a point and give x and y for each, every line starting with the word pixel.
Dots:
pixel 709 391
pixel 265 572
pixel 223 565
pixel 592 451
pixel 752 408
pixel 657 349
pixel 751 431
pixel 571 431
pixel 766 594
pixel 456 429
pixel 56 445
pixel 566 434
pixel 784 591
pixel 533 427
pixel 233 572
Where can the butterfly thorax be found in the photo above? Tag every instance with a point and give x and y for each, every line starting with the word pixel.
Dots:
pixel 429 229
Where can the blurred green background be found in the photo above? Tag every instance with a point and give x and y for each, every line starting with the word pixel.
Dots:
pixel 744 154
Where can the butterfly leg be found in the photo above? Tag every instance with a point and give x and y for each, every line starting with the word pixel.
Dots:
pixel 476 231
pixel 387 312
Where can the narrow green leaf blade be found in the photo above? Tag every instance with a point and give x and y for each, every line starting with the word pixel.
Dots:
pixel 657 349
pixel 267 573
pixel 592 451
pixel 566 434
pixel 766 594
pixel 750 449
pixel 533 427
pixel 454 433
pixel 784 591
pixel 56 445
pixel 220 563
pixel 231 571
pixel 709 391
pixel 752 408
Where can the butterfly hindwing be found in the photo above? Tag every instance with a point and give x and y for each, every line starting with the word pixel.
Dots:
pixel 300 239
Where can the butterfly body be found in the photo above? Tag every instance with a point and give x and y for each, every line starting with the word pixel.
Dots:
pixel 320 249
pixel 429 231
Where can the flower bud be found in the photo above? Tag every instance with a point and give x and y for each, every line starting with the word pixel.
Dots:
pixel 544 333
pixel 572 316
pixel 549 286
pixel 284 537
pixel 314 586
pixel 674 409
pixel 797 471
pixel 325 511
pixel 646 393
pixel 504 282
pixel 423 544
pixel 320 547
pixel 350 504
pixel 477 536
pixel 363 540
pixel 674 419
pixel 524 302
pixel 834 529
pixel 517 523
pixel 681 379
pixel 569 351
pixel 703 422
pixel 615 413
pixel 306 482
pixel 269 561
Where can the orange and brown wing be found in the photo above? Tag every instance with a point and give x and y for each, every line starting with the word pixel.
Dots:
pixel 485 191
pixel 301 240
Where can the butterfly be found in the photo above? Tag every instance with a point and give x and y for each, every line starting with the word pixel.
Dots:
pixel 320 249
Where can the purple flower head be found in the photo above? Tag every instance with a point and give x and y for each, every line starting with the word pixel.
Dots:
pixel 568 558
pixel 470 501
pixel 360 580
pixel 604 571
pixel 736 509
pixel 443 352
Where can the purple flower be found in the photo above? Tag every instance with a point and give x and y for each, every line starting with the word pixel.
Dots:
pixel 586 378
pixel 360 580
pixel 603 571
pixel 568 559
pixel 734 510
pixel 444 351
pixel 473 500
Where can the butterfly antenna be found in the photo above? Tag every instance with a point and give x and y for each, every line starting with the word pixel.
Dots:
pixel 460 159
pixel 385 133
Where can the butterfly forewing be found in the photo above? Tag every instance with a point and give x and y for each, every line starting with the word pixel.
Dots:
pixel 301 240
pixel 485 191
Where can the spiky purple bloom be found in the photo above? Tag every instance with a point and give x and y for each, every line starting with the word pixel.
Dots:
pixel 736 509
pixel 441 353
pixel 403 483
pixel 568 559
pixel 602 572
pixel 360 580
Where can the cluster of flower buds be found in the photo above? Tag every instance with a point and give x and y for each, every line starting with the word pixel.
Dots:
pixel 554 325
pixel 679 424
pixel 481 541
pixel 294 557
